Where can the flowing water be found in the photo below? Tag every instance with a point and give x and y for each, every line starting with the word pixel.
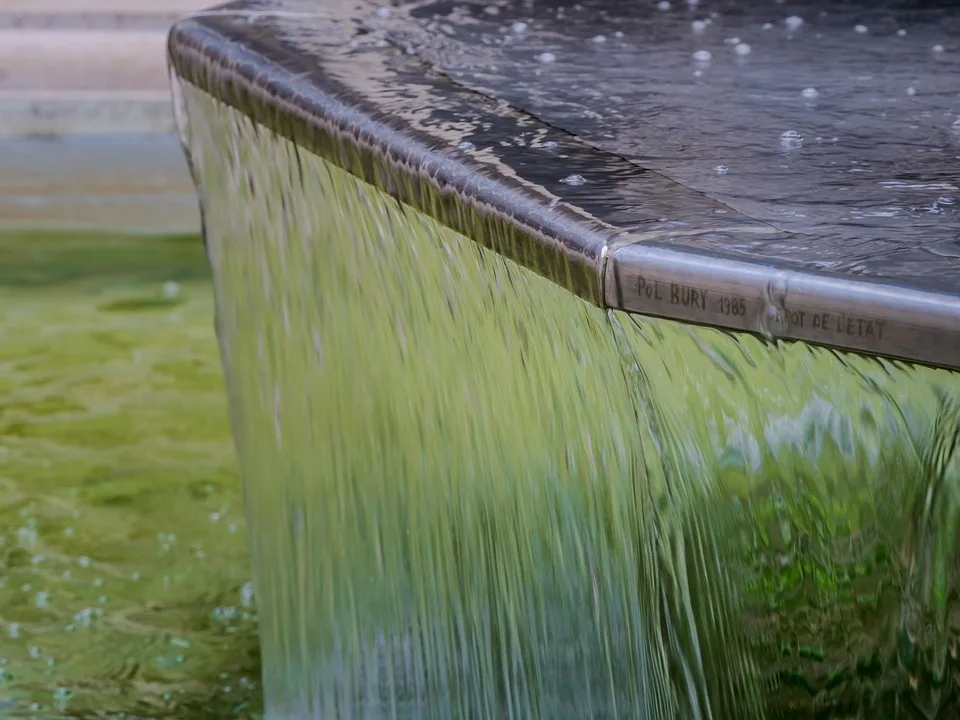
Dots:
pixel 471 494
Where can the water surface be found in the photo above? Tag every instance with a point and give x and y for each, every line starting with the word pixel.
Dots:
pixel 123 562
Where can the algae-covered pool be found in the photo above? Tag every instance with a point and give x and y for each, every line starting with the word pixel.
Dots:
pixel 124 579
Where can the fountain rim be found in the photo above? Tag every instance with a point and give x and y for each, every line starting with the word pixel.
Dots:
pixel 230 53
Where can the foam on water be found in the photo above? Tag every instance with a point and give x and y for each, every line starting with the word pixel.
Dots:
pixel 471 494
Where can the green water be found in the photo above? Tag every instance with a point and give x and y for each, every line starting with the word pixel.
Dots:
pixel 123 556
pixel 472 495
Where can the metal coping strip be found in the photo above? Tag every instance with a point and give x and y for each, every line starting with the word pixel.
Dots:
pixel 256 72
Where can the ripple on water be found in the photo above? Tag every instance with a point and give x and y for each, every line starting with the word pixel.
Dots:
pixel 123 568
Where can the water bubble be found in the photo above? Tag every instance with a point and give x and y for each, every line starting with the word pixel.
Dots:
pixel 791 140
pixel 599 39
pixel 26 537
pixel 663 5
pixel 741 49
pixel 550 144
pixel 61 696
pixel 901 33
pixel 546 57
pixel 860 29
pixel 83 561
pixel 702 56
pixel 13 630
pixel 383 12
pixel 911 91
pixel 618 35
pixel 768 26
pixel 721 169
pixel 573 180
pixel 810 93
pixel 946 200
pixel 938 48
pixel 518 28
pixel 698 26
pixel 171 290
pixel 42 600
pixel 794 22
pixel 246 594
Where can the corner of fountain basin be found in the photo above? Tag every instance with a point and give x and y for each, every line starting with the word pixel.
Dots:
pixel 470 492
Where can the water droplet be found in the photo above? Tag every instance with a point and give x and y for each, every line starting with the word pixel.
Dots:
pixel 911 91
pixel 793 23
pixel 938 48
pixel 518 28
pixel 810 93
pixel 721 169
pixel 699 26
pixel 171 290
pixel 860 29
pixel 663 5
pixel 618 35
pixel 13 630
pixel 901 33
pixel 702 56
pixel 573 180
pixel 599 39
pixel 550 144
pixel 61 696
pixel 383 12
pixel 741 49
pixel 546 57
pixel 768 26
pixel 791 140
pixel 246 594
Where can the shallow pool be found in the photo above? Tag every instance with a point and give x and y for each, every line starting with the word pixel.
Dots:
pixel 123 564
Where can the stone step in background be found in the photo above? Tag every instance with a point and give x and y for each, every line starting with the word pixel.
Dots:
pixel 87 138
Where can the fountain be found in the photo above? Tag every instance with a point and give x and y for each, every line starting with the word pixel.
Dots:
pixel 553 399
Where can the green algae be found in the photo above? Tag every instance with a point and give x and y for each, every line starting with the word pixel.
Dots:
pixel 473 495
pixel 123 559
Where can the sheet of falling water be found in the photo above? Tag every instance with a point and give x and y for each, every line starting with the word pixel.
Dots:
pixel 471 494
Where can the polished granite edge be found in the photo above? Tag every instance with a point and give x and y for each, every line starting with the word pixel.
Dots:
pixel 339 99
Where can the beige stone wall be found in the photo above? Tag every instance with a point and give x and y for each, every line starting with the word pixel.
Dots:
pixel 87 138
